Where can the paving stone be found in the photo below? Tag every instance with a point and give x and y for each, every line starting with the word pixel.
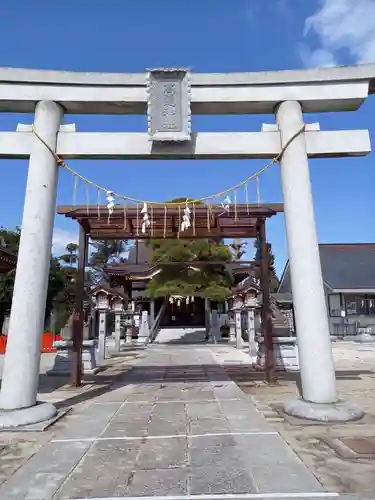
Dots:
pixel 88 423
pixel 149 466
pixel 271 450
pixel 220 456
pixel 203 442
pixel 285 479
pixel 123 428
pixel 220 480
pixel 206 426
pixel 163 453
pixel 105 471
pixel 159 482
pixel 44 473
pixel 167 427
pixel 130 410
pixel 203 410
pixel 174 409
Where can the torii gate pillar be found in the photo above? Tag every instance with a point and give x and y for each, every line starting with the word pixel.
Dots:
pixel 22 360
pixel 319 398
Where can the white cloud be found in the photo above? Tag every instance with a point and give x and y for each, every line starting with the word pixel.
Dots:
pixel 61 237
pixel 341 25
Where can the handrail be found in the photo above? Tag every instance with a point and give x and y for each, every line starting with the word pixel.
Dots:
pixel 155 327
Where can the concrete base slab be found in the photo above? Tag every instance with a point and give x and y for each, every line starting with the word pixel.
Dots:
pixel 41 412
pixel 341 411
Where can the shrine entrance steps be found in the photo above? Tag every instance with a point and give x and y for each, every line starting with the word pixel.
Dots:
pixel 180 336
pixel 172 424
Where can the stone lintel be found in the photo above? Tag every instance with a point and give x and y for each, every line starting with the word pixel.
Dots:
pixel 236 145
pixel 318 96
pixel 293 76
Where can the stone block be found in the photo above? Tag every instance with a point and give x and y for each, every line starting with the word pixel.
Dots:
pixel 285 353
pixel 89 357
pixel 63 363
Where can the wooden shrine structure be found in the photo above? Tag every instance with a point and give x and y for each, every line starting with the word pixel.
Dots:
pixel 208 221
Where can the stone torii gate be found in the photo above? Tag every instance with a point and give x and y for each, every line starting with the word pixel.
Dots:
pixel 170 96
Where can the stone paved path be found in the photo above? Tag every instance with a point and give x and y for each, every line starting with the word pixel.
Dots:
pixel 174 425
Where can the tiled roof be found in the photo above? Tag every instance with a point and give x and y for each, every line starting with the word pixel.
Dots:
pixel 344 266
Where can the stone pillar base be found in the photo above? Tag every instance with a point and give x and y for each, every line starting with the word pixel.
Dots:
pixel 285 354
pixel 41 412
pixel 340 411
pixel 365 338
pixel 63 364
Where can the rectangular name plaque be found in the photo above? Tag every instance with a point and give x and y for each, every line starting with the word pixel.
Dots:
pixel 168 105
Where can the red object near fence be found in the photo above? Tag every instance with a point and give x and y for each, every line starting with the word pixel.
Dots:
pixel 47 342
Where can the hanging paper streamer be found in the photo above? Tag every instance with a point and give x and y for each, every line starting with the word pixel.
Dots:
pixel 235 206
pixel 226 203
pixel 247 198
pixel 110 204
pixel 146 223
pixel 98 204
pixel 258 190
pixel 87 197
pixel 185 224
pixel 75 190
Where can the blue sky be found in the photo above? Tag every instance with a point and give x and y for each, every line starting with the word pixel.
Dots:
pixel 207 36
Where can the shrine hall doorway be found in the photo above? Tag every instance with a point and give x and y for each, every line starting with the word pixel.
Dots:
pixel 182 313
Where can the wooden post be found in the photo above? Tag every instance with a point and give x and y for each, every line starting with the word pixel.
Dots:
pixel 266 311
pixel 78 309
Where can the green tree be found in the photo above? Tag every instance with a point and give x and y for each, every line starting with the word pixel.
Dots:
pixel 273 279
pixel 60 292
pixel 105 251
pixel 71 257
pixel 211 281
pixel 10 239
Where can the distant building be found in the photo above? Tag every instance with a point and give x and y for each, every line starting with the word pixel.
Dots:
pixel 348 271
pixel 8 260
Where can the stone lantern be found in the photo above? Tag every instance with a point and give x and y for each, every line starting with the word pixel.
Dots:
pixel 129 325
pixel 117 307
pixel 102 305
pixel 238 305
pixel 231 321
pixel 251 303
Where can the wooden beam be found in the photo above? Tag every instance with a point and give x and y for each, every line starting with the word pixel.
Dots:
pixel 78 309
pixel 266 309
pixel 91 211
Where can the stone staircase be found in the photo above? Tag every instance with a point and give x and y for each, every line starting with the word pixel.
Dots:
pixel 180 336
pixel 281 326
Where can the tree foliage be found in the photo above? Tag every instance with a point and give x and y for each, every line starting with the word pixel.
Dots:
pixel 61 283
pixel 211 281
pixel 105 251
pixel 273 279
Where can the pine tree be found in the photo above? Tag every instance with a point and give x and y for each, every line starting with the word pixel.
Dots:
pixel 273 279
